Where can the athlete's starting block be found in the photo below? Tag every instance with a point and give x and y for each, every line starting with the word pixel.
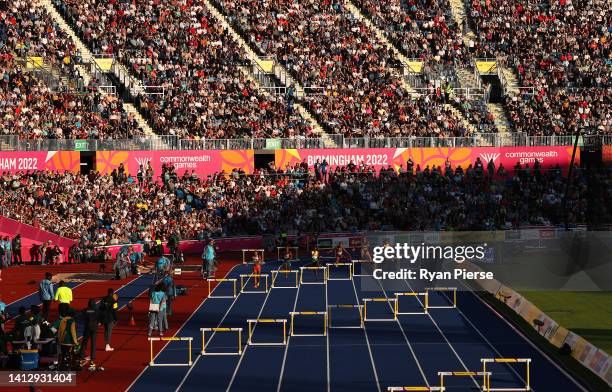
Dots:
pixel 526 361
pixel 221 330
pixel 170 339
pixel 310 315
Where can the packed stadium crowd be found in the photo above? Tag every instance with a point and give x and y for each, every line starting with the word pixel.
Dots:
pixel 198 83
pixel 423 29
pixel 118 208
pixel 31 108
pixel 179 48
pixel 355 81
pixel 562 50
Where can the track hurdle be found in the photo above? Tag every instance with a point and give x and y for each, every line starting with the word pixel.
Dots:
pixel 347 306
pixel 292 326
pixel 221 330
pixel 453 298
pixel 293 249
pixel 526 361
pixel 425 296
pixel 275 274
pixel 485 375
pixel 421 389
pixel 220 281
pixel 260 252
pixel 261 277
pixel 381 299
pixel 323 269
pixel 170 339
pixel 253 323
pixel 336 265
pixel 358 266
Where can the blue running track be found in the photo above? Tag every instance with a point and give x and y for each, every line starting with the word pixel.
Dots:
pixel 408 351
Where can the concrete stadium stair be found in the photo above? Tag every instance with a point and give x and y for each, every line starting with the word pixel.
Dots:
pixel 467 77
pixel 470 127
pixel 86 55
pixel 305 114
pixel 512 83
pixel 500 119
pixel 87 58
pixel 459 13
pixel 278 70
pixel 380 36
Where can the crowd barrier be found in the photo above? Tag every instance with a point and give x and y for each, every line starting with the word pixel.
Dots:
pixel 207 162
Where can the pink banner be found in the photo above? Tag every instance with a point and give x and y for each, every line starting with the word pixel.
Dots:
pixel 32 237
pixel 202 162
pixel 463 156
pixel 27 161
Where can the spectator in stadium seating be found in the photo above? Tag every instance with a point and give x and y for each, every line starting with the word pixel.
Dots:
pixel 32 109
pixel 203 92
pixel 354 197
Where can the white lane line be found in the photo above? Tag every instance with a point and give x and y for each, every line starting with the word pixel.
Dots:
pixel 180 328
pixel 416 360
pixel 365 332
pixel 247 346
pixel 444 336
pixel 280 379
pixel 211 337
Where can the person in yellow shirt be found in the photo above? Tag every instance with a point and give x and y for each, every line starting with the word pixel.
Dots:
pixel 63 295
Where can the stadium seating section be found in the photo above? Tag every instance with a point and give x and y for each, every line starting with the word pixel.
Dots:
pixel 347 58
pixel 109 208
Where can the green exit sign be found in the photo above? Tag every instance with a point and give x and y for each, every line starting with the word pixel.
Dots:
pixel 80 145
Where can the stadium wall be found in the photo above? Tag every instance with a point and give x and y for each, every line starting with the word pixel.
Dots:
pixel 461 156
pixel 207 162
pixel 32 236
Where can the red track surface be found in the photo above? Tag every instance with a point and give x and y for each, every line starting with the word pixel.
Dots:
pixel 131 353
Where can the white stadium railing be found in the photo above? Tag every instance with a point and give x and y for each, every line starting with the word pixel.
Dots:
pixel 14 143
